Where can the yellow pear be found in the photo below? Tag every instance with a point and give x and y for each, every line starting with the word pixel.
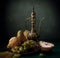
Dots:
pixel 19 33
pixel 26 32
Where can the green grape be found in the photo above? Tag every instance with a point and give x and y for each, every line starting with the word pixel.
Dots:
pixel 28 42
pixel 18 51
pixel 13 50
pixel 21 48
pixel 24 44
pixel 16 48
pixel 25 47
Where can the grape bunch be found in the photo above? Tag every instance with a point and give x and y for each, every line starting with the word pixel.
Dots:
pixel 24 47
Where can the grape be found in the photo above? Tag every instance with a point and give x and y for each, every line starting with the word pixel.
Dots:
pixel 21 48
pixel 16 48
pixel 13 50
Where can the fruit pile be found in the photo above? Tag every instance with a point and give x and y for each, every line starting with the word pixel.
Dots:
pixel 21 43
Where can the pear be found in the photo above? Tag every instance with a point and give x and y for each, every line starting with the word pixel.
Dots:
pixel 13 42
pixel 20 36
pixel 46 46
pixel 19 33
pixel 26 33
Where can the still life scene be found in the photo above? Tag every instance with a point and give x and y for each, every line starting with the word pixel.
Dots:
pixel 27 42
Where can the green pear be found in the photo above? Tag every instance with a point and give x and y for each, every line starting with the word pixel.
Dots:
pixel 21 36
pixel 19 33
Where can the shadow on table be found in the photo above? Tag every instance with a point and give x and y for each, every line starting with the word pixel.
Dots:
pixel 43 55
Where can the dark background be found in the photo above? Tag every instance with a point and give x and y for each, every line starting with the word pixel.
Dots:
pixel 14 12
